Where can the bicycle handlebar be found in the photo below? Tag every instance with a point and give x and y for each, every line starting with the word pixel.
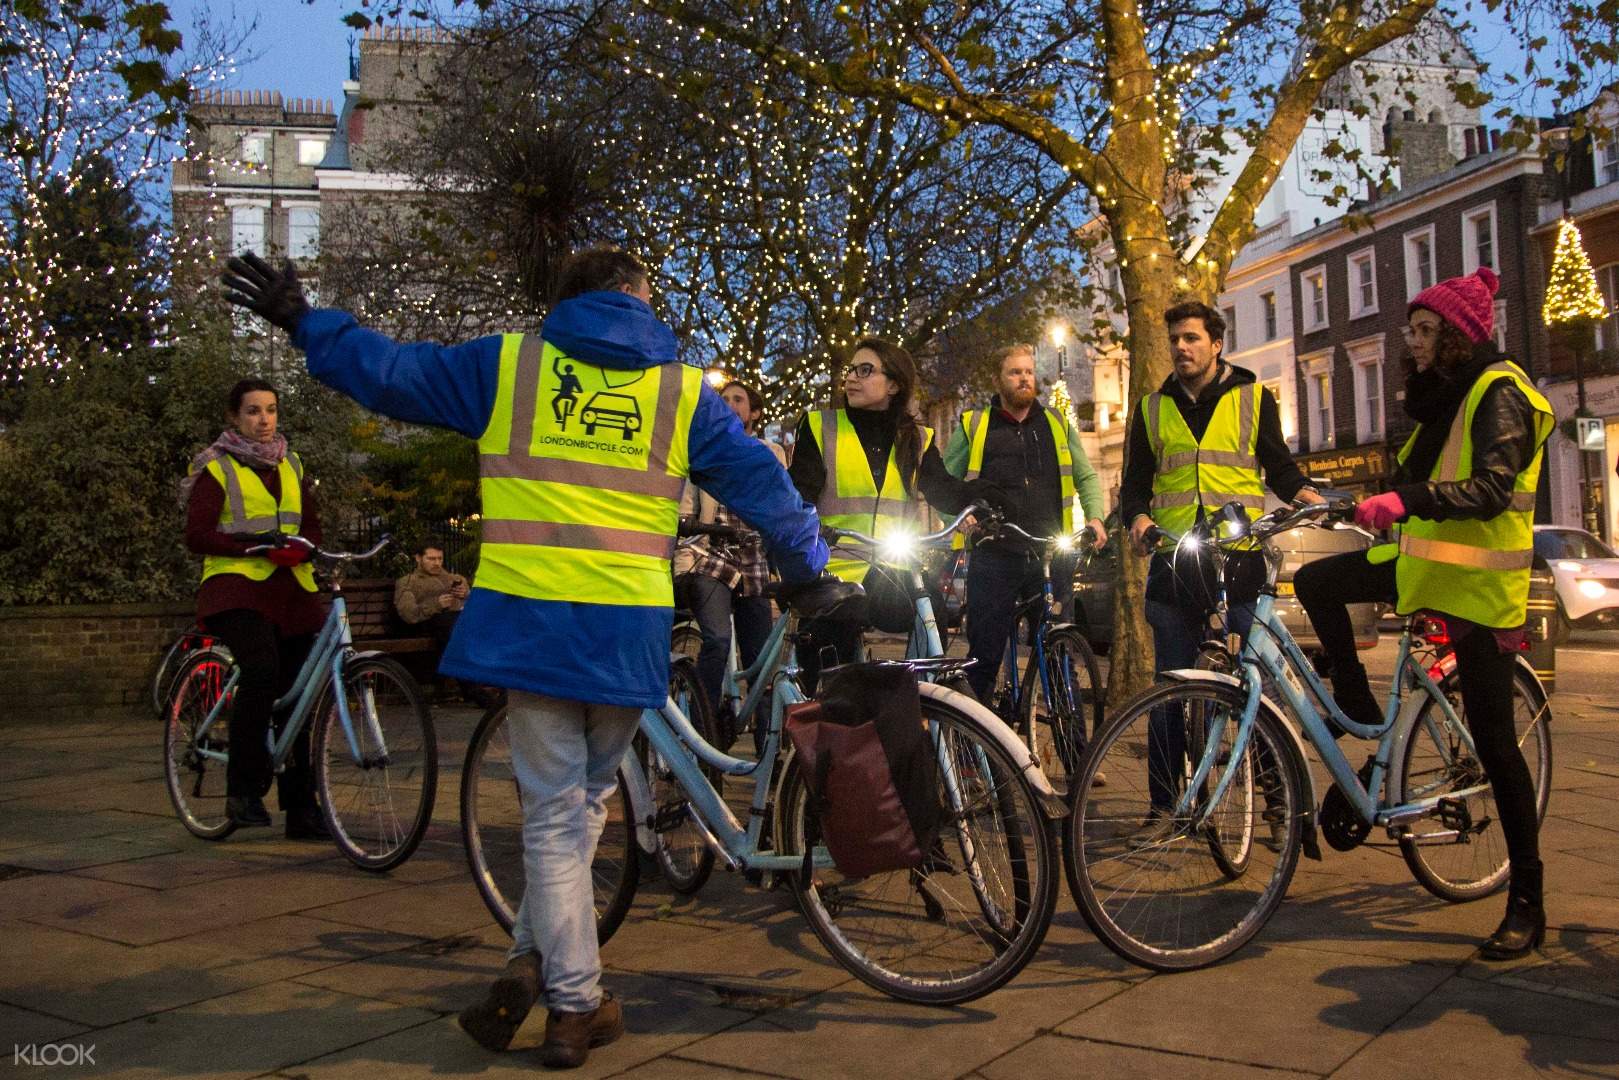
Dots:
pixel 924 540
pixel 1066 542
pixel 331 556
pixel 694 529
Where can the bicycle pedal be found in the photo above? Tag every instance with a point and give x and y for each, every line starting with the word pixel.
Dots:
pixel 1453 814
pixel 670 818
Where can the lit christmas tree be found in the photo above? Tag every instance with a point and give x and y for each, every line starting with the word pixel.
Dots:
pixel 1063 401
pixel 1572 297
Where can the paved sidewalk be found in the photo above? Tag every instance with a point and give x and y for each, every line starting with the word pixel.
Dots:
pixel 174 957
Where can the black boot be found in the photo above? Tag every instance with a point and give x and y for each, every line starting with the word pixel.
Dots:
pixel 306 823
pixel 1524 927
pixel 247 811
pixel 1353 693
pixel 493 1021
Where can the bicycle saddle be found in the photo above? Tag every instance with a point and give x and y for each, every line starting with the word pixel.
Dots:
pixel 824 598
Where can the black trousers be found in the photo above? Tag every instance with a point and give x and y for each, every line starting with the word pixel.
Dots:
pixel 716 604
pixel 269 663
pixel 1327 586
pixel 996 580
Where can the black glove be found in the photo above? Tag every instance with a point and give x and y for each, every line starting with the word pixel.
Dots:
pixel 252 283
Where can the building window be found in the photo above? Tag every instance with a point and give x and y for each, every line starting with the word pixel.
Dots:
pixel 1367 360
pixel 303 232
pixel 1268 300
pixel 1230 316
pixel 247 229
pixel 1315 298
pixel 1608 329
pixel 1478 239
pixel 1499 332
pixel 1608 162
pixel 255 149
pixel 1419 268
pixel 1362 284
pixel 1318 400
pixel 311 151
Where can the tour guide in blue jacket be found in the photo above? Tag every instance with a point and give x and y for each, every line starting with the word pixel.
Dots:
pixel 585 439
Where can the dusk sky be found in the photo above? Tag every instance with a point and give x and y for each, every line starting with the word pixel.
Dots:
pixel 300 49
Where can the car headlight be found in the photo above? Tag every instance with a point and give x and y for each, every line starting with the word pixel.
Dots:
pixel 1592 589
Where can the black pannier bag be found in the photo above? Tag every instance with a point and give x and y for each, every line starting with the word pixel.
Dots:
pixel 871 768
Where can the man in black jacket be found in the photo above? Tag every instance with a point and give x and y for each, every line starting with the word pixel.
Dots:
pixel 1207 394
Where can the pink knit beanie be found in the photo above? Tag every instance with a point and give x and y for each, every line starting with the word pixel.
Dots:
pixel 1467 303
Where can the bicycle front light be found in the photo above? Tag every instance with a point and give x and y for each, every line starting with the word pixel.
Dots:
pixel 898 547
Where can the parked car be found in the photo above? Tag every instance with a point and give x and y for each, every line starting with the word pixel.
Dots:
pixel 1585 573
pixel 1098 573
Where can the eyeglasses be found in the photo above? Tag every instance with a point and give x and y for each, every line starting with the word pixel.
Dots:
pixel 862 371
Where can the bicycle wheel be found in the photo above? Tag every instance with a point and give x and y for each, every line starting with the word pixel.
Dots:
pixel 687 639
pixel 1459 865
pixel 974 913
pixel 492 828
pixel 197 783
pixel 1148 880
pixel 1230 830
pixel 1059 706
pixel 377 806
pixel 684 857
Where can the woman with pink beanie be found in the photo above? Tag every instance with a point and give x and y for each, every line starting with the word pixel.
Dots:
pixel 1464 497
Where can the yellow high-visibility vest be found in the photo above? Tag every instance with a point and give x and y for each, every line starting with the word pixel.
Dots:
pixel 581 471
pixel 1471 568
pixel 249 510
pixel 1220 468
pixel 975 425
pixel 850 498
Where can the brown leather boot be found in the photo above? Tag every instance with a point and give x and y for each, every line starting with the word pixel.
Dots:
pixel 569 1037
pixel 493 1021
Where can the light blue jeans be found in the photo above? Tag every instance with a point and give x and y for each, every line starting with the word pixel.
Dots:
pixel 566 756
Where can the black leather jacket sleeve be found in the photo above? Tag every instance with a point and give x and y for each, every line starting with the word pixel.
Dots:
pixel 1504 443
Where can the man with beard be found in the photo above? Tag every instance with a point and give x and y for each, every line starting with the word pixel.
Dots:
pixel 1027 458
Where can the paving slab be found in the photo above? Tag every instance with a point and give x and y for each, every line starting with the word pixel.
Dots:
pixel 41 894
pixel 1060 1055
pixel 1255 1007
pixel 437 910
pixel 246 1034
pixel 26 1026
pixel 662 1016
pixel 95 851
pixel 851 1031
pixel 160 916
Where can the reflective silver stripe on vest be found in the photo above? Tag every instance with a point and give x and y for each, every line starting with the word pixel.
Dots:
pixel 1061 428
pixel 1523 501
pixel 1248 409
pixel 979 421
pixel 1212 499
pixel 584 537
pixel 1448 551
pixel 242 525
pixel 1154 401
pixel 1209 457
pixel 518 464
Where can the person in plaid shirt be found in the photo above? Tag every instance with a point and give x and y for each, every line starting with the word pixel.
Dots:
pixel 725 579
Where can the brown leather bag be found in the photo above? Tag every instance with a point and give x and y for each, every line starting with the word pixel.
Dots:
pixel 871 767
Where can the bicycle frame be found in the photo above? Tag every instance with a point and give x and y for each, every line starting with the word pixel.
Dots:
pixel 333 646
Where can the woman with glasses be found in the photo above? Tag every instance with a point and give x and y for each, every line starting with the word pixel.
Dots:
pixel 864 466
pixel 1464 499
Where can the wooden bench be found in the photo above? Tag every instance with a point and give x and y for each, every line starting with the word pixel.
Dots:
pixel 374 622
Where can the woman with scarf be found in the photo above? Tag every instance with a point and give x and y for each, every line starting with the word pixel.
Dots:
pixel 1464 497
pixel 246 490
pixel 895 458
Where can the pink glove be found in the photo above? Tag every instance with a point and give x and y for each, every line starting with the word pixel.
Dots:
pixel 1380 511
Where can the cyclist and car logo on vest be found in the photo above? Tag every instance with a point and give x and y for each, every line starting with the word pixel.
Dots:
pixel 604 409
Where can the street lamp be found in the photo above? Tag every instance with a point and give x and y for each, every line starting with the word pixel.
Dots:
pixel 1573 306
pixel 1059 341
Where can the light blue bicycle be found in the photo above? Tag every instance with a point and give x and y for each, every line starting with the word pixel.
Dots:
pixel 1190 847
pixel 372 748
pixel 955 928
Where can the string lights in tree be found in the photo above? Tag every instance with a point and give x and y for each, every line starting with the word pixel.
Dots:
pixel 1063 402
pixel 95 93
pixel 1572 296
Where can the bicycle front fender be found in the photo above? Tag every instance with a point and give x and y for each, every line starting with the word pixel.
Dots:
pixel 1294 746
pixel 1054 805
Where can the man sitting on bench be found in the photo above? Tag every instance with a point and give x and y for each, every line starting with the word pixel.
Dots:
pixel 431 597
